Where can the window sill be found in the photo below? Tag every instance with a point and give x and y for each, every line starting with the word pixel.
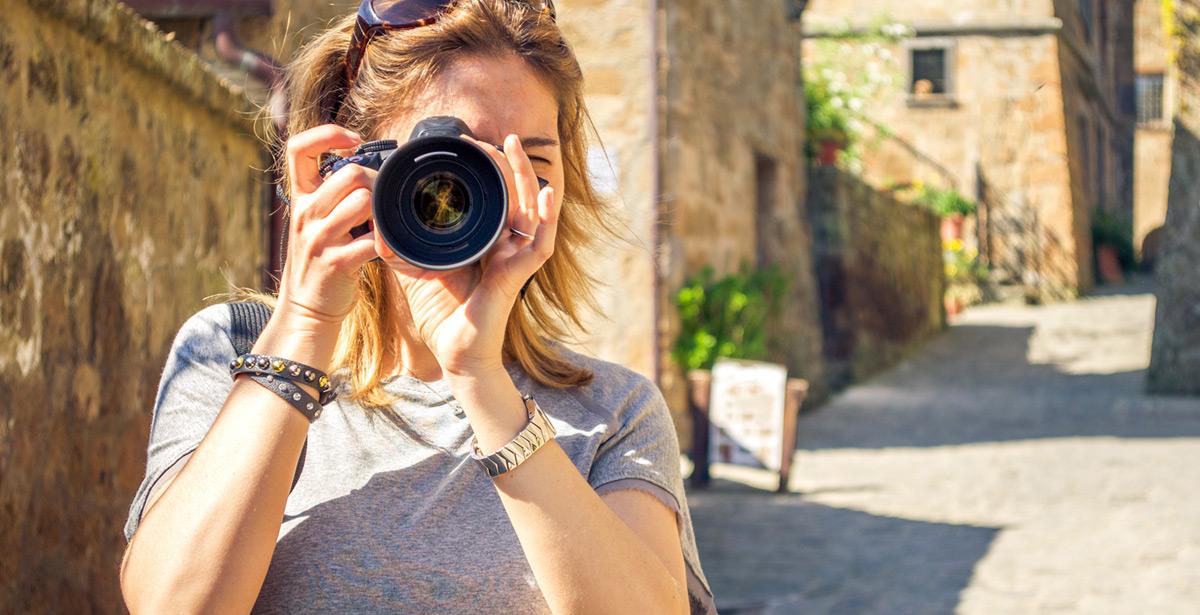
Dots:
pixel 942 101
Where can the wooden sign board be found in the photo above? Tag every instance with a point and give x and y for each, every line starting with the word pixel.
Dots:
pixel 746 413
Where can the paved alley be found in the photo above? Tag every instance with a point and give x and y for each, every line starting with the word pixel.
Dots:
pixel 1012 466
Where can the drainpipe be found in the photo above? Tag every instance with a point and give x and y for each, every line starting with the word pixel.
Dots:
pixel 269 71
pixel 656 183
pixel 257 64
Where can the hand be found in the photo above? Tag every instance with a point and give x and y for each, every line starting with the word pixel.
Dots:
pixel 320 274
pixel 461 315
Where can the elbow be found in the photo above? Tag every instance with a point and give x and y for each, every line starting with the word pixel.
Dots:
pixel 148 588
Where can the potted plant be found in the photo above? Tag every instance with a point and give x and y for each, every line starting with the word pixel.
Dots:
pixel 964 275
pixel 949 204
pixel 722 317
pixel 828 126
pixel 1112 238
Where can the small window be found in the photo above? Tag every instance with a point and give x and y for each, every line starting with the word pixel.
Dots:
pixel 928 73
pixel 931 71
pixel 1149 98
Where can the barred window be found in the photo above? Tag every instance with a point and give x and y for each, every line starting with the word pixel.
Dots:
pixel 928 72
pixel 1149 98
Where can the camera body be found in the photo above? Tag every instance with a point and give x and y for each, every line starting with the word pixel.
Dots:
pixel 440 201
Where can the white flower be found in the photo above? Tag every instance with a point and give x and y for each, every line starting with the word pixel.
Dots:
pixel 856 104
pixel 836 102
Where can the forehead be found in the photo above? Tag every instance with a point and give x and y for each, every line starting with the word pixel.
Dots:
pixel 495 96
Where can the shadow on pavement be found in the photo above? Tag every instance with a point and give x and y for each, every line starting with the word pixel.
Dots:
pixel 796 556
pixel 976 383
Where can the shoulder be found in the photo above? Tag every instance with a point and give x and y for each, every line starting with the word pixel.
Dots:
pixel 616 392
pixel 205 333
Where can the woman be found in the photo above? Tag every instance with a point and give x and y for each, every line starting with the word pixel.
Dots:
pixel 394 515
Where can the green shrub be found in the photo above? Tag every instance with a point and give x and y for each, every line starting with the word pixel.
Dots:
pixel 944 203
pixel 1116 231
pixel 727 317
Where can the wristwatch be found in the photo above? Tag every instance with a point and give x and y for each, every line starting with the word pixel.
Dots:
pixel 537 432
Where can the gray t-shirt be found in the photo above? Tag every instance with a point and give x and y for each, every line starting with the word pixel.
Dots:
pixel 393 516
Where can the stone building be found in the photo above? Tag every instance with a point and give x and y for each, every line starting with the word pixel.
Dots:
pixel 1156 91
pixel 1027 105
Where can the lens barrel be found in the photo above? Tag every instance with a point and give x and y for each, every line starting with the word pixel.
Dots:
pixel 440 201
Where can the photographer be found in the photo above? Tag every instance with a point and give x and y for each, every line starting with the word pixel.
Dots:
pixel 461 458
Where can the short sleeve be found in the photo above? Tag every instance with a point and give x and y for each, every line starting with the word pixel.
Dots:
pixel 194 385
pixel 642 453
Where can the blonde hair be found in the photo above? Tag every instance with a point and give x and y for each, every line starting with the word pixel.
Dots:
pixel 403 62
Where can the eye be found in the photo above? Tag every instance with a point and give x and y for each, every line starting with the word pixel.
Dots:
pixel 539 159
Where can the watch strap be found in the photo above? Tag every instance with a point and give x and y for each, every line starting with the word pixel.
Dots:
pixel 537 432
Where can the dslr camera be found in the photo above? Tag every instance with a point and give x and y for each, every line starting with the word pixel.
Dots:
pixel 440 201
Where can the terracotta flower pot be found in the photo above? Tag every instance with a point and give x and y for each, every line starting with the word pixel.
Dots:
pixel 827 153
pixel 952 227
pixel 1110 264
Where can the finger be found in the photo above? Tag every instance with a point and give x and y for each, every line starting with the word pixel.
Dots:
pixel 355 253
pixel 548 209
pixel 526 183
pixel 345 181
pixel 304 150
pixel 530 259
pixel 351 211
pixel 514 198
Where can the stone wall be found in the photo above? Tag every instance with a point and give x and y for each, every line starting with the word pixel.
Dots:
pixel 129 194
pixel 879 266
pixel 1175 360
pixel 733 180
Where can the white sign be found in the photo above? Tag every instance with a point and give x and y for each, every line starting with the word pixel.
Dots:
pixel 746 413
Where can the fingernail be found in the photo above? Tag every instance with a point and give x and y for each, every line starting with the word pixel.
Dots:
pixel 353 135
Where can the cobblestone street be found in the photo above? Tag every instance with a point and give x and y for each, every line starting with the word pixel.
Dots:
pixel 1012 466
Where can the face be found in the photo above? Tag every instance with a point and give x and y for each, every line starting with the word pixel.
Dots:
pixel 496 97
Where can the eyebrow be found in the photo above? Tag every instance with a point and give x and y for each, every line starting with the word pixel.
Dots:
pixel 538 142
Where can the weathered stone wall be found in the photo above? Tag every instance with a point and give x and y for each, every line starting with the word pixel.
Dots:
pixel 1009 126
pixel 615 46
pixel 733 96
pixel 129 193
pixel 1152 162
pixel 879 265
pixel 1175 360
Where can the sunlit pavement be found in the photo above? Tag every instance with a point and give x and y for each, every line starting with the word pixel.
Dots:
pixel 1013 466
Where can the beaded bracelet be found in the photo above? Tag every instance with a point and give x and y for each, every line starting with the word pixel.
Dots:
pixel 278 374
pixel 288 370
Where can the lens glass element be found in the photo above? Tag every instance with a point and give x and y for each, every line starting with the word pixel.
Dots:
pixel 441 200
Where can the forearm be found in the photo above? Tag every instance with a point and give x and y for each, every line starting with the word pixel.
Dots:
pixel 585 558
pixel 206 543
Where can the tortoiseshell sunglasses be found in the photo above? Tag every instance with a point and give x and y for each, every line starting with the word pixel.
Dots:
pixel 378 16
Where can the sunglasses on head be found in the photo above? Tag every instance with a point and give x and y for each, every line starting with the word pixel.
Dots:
pixel 378 16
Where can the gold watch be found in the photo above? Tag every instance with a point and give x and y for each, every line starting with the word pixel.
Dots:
pixel 537 432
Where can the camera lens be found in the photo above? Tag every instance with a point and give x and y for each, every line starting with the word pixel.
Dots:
pixel 441 201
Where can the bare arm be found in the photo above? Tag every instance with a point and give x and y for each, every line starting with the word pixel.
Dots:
pixel 616 554
pixel 205 542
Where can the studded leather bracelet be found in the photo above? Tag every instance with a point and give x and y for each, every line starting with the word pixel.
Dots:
pixel 278 375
